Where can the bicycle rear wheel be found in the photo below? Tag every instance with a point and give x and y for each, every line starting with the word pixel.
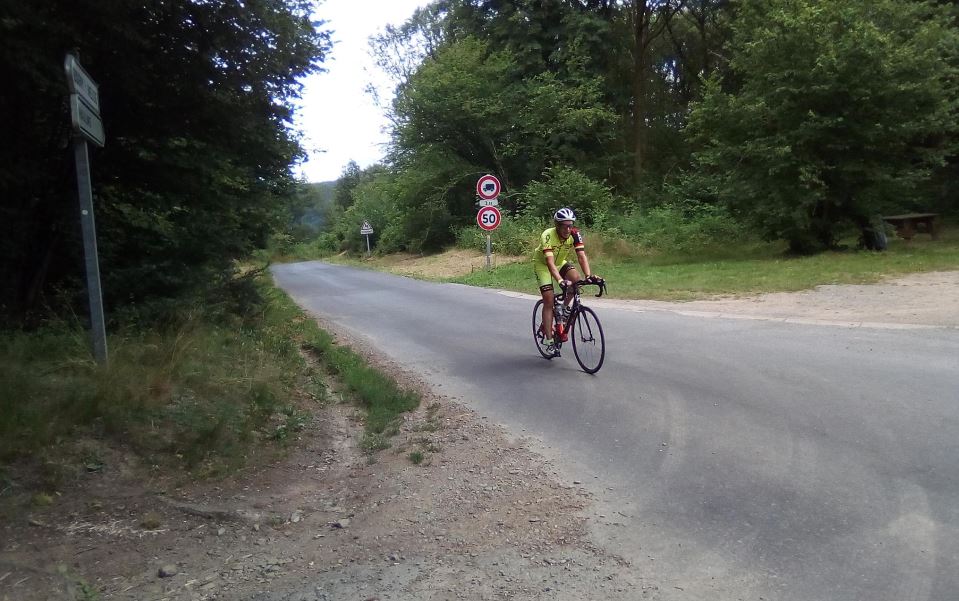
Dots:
pixel 537 325
pixel 589 344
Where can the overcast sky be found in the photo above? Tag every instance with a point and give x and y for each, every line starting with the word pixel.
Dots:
pixel 337 117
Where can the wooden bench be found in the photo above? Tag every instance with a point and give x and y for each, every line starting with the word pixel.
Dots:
pixel 908 225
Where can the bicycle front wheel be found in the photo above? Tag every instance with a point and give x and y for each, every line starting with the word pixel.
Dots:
pixel 589 344
pixel 537 330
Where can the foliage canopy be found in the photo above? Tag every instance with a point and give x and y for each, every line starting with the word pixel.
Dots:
pixel 196 99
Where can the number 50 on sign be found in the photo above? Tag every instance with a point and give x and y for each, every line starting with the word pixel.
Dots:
pixel 488 218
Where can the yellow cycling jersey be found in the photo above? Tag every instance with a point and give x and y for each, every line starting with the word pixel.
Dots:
pixel 561 250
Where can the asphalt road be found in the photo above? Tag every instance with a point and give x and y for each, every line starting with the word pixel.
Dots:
pixel 732 458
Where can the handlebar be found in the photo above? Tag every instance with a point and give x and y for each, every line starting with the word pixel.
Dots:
pixel 589 282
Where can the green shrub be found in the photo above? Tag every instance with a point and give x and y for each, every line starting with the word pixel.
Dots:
pixel 567 187
pixel 681 227
pixel 516 235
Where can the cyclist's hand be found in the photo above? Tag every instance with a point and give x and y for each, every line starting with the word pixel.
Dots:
pixel 565 284
pixel 594 279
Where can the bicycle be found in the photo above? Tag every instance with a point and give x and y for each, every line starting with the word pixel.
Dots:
pixel 581 324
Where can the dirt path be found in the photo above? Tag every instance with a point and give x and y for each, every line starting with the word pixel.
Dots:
pixel 921 299
pixel 482 517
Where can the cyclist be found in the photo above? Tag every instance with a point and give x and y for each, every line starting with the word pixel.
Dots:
pixel 551 262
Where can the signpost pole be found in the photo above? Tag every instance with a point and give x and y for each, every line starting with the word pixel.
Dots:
pixel 366 229
pixel 85 119
pixel 87 224
pixel 489 251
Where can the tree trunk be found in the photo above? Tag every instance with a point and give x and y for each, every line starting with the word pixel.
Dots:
pixel 641 38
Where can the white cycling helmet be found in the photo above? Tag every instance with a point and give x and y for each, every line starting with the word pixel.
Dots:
pixel 564 214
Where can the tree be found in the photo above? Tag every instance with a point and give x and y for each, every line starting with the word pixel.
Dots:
pixel 649 20
pixel 399 51
pixel 840 109
pixel 348 180
pixel 470 111
pixel 196 99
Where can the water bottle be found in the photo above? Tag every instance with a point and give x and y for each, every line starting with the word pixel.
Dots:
pixel 559 318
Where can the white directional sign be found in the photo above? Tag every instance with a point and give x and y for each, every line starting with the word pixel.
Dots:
pixel 84 102
pixel 86 121
pixel 366 228
pixel 82 84
pixel 487 187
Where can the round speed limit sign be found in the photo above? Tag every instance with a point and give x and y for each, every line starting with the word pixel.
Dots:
pixel 488 218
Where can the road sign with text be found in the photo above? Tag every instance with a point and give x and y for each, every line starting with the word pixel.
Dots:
pixel 82 84
pixel 489 218
pixel 86 121
pixel 84 102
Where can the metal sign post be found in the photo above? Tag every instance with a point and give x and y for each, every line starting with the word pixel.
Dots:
pixel 85 118
pixel 366 229
pixel 488 217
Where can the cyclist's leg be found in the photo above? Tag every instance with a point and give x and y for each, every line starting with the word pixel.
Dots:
pixel 547 293
pixel 545 281
pixel 569 273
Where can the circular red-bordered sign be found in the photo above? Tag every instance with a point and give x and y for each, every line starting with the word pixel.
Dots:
pixel 487 187
pixel 488 218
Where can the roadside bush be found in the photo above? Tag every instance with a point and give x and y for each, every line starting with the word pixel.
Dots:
pixel 516 235
pixel 567 187
pixel 681 227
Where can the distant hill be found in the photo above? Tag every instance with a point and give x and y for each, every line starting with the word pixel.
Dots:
pixel 323 190
pixel 319 198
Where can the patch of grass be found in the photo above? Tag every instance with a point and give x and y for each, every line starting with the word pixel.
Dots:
pixel 416 457
pixel 151 521
pixel 427 426
pixel 41 500
pixel 741 270
pixel 317 389
pixel 86 591
pixel 295 420
pixel 383 400
pixel 82 590
pixel 373 442
pixel 197 394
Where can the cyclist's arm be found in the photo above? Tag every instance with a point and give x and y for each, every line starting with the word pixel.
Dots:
pixel 583 262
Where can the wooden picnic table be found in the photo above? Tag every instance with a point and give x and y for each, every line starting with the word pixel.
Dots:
pixel 908 225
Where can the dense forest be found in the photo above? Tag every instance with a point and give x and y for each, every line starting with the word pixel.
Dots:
pixel 197 103
pixel 798 120
pixel 794 120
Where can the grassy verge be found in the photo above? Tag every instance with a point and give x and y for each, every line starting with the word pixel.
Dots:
pixel 383 400
pixel 740 271
pixel 202 396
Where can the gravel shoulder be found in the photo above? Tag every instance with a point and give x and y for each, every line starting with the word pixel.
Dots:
pixel 922 299
pixel 483 516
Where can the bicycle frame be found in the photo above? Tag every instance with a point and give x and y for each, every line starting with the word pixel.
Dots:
pixel 574 307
